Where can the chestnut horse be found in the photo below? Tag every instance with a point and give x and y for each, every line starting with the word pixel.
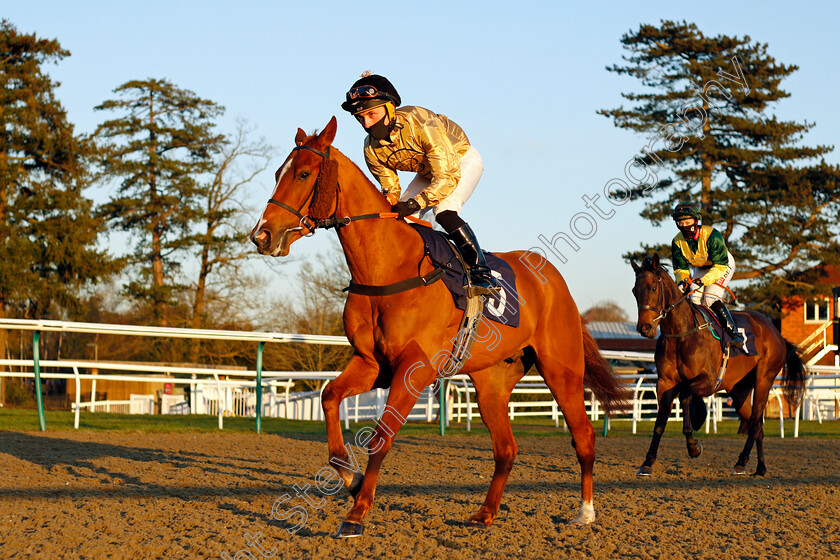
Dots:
pixel 688 359
pixel 395 337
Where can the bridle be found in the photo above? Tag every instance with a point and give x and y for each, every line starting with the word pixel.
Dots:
pixel 305 222
pixel 661 310
pixel 307 225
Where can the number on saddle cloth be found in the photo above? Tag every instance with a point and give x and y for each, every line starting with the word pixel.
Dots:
pixel 502 309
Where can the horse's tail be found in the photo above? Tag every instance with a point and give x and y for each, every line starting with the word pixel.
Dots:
pixel 794 376
pixel 600 378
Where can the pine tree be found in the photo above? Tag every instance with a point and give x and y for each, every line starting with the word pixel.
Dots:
pixel 160 145
pixel 707 114
pixel 48 229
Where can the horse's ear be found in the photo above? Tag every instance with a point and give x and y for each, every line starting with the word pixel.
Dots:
pixel 636 267
pixel 327 135
pixel 656 260
pixel 300 137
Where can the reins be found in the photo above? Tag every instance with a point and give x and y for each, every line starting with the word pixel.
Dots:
pixel 663 311
pixel 308 225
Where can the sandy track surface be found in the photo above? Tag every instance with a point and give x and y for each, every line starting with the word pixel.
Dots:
pixel 100 495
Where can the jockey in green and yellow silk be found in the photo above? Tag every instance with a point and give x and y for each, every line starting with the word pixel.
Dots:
pixel 434 147
pixel 699 256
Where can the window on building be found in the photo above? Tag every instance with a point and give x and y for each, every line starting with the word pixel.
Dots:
pixel 816 311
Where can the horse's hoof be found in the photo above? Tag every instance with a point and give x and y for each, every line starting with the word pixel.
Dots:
pixel 739 470
pixel 644 470
pixel 586 515
pixel 699 451
pixel 356 485
pixel 759 473
pixel 349 529
pixel 473 524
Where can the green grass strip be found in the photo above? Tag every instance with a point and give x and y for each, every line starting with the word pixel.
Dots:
pixel 26 420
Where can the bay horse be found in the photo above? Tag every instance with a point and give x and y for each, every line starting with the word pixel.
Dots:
pixel 396 337
pixel 688 358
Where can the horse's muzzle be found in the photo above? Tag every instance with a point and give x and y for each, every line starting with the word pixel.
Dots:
pixel 274 245
pixel 262 239
pixel 646 330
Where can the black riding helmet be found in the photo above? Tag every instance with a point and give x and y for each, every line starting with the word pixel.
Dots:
pixel 369 91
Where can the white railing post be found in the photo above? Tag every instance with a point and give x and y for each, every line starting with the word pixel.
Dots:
pixel 78 397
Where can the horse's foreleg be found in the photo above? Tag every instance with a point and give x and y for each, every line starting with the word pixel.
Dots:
pixel 492 388
pixel 666 401
pixel 358 377
pixel 412 374
pixel 691 443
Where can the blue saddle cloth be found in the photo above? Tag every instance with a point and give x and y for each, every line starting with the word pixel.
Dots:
pixel 742 324
pixel 503 309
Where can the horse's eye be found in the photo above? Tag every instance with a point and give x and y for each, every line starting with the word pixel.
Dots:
pixel 303 175
pixel 653 289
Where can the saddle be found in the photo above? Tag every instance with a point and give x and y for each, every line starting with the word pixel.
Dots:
pixel 727 350
pixel 741 323
pixel 503 308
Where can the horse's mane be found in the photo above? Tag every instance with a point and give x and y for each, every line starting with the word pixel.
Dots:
pixel 322 205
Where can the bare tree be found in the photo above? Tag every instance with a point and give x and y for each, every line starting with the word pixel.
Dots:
pixel 606 310
pixel 221 242
pixel 318 310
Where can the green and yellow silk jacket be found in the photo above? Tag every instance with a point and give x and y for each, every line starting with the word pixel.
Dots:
pixel 709 249
pixel 425 143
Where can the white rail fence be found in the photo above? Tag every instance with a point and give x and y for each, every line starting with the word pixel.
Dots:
pixel 232 392
pixel 209 393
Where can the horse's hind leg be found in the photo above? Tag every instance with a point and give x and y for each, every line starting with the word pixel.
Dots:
pixel 688 403
pixel 493 387
pixel 566 385
pixel 752 416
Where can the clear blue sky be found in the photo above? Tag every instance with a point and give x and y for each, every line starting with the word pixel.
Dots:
pixel 523 81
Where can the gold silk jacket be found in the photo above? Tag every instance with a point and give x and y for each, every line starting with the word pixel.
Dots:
pixel 425 143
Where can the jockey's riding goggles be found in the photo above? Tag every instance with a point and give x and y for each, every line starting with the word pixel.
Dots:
pixel 364 97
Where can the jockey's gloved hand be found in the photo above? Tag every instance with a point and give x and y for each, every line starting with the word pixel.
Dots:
pixel 689 284
pixel 406 208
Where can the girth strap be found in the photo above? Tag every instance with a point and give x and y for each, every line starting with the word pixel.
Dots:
pixel 686 333
pixel 396 287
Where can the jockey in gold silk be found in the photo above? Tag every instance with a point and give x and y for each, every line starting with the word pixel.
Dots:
pixel 432 146
pixel 700 257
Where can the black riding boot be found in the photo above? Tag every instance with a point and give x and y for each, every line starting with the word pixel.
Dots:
pixel 728 323
pixel 480 277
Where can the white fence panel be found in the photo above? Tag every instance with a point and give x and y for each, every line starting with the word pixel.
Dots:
pixel 142 404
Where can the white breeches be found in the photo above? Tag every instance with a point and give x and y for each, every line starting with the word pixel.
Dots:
pixel 471 169
pixel 716 291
